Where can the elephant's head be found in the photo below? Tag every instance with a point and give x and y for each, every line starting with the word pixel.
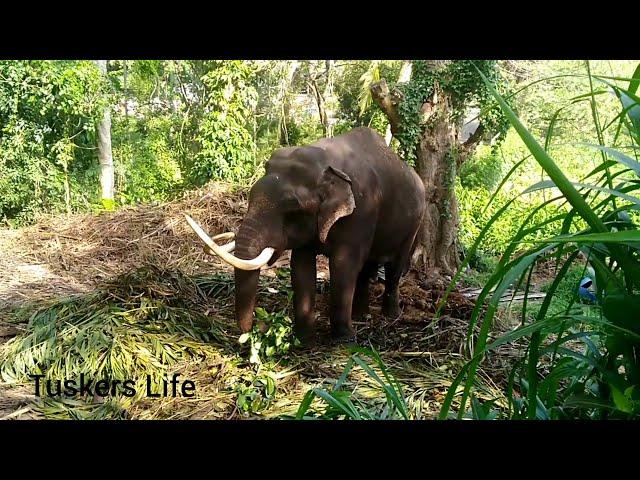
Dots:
pixel 295 204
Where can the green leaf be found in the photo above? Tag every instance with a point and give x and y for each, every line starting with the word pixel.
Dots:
pixel 621 236
pixel 622 402
pixel 341 406
pixel 635 81
pixel 586 401
pixel 617 193
pixel 271 386
pixel 243 338
pixel 631 104
pixel 305 404
pixel 543 158
pixel 618 156
pixel 618 309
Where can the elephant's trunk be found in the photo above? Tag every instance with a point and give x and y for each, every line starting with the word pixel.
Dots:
pixel 254 247
pixel 245 297
pixel 246 281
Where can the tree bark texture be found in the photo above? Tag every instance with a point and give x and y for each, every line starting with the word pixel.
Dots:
pixel 285 103
pixel 105 155
pixel 439 154
pixel 436 164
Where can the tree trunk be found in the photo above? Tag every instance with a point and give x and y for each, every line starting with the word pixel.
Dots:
pixel 321 97
pixel 437 158
pixel 439 154
pixel 105 155
pixel 285 104
pixel 322 113
pixel 403 77
pixel 328 96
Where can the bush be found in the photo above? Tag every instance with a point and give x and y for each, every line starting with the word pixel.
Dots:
pixel 483 170
pixel 579 363
pixel 477 207
pixel 47 116
pixel 227 148
pixel 148 163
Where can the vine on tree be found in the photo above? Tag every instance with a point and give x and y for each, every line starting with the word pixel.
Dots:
pixel 459 78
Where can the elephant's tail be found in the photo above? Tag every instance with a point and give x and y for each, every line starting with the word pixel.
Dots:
pixel 414 246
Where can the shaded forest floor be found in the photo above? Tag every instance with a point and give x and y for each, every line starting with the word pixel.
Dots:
pixel 131 293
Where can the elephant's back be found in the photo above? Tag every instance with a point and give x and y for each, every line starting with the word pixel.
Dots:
pixel 400 184
pixel 382 179
pixel 363 147
pixel 363 154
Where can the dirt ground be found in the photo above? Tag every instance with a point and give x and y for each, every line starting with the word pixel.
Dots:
pixel 70 255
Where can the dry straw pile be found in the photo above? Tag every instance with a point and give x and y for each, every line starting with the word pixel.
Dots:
pixel 131 293
pixel 72 254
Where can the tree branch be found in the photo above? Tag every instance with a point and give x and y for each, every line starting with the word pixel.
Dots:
pixel 388 102
pixel 475 138
pixel 468 147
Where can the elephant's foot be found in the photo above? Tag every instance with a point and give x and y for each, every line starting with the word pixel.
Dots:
pixel 391 310
pixel 342 333
pixel 360 310
pixel 304 332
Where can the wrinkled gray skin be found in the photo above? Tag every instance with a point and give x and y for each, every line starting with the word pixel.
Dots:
pixel 350 198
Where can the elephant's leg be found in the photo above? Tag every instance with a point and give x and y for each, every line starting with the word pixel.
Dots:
pixel 391 297
pixel 344 267
pixel 303 280
pixel 393 271
pixel 361 296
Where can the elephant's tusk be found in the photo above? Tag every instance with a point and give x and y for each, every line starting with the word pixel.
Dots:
pixel 227 247
pixel 223 252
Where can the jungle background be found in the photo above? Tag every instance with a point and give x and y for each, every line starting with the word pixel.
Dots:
pixel 531 169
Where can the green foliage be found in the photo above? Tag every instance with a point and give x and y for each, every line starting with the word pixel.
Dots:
pixel 581 361
pixel 460 79
pixel 227 145
pixel 147 157
pixel 341 404
pixel 256 391
pixel 270 337
pixel 108 204
pixel 354 97
pixel 481 266
pixel 303 132
pixel 483 170
pixel 482 410
pixel 176 124
pixel 476 212
pixel 47 139
pixel 142 323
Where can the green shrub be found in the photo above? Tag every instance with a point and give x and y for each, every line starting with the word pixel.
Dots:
pixel 483 170
pixel 148 166
pixel 227 148
pixel 578 363
pixel 271 336
pixel 47 116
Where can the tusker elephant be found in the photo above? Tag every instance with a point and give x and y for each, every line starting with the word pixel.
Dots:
pixel 350 198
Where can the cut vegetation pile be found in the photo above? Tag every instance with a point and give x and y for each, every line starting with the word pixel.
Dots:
pixel 147 301
pixel 75 253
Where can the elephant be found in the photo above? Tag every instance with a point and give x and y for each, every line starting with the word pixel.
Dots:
pixel 350 198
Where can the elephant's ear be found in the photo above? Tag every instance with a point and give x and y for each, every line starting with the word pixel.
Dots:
pixel 336 200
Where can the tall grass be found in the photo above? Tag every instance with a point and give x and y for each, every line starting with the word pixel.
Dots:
pixel 339 403
pixel 578 364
